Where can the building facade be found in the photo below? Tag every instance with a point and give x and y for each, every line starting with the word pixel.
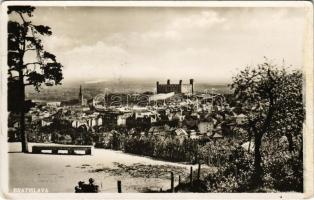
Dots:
pixel 176 88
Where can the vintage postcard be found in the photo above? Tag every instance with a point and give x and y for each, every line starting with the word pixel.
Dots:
pixel 161 99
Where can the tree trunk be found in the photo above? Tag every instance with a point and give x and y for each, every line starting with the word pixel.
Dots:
pixel 23 133
pixel 22 89
pixel 258 171
pixel 22 116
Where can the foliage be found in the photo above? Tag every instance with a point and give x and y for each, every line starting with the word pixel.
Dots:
pixel 283 168
pixel 283 171
pixel 25 37
pixel 271 99
pixel 218 152
pixel 234 176
pixel 214 152
pixel 166 148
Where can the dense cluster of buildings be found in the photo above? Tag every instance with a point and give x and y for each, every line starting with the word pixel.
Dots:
pixel 187 115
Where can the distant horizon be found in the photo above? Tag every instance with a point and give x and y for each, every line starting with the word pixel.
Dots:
pixel 70 90
pixel 88 82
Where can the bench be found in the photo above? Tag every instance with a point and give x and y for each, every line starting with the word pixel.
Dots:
pixel 69 150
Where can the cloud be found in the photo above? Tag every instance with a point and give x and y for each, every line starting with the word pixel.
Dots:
pixel 97 61
pixel 200 20
pixel 160 43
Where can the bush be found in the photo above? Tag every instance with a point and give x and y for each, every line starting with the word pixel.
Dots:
pixel 234 176
pixel 166 148
pixel 284 172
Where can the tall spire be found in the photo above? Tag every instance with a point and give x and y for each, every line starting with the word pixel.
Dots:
pixel 80 94
pixel 81 98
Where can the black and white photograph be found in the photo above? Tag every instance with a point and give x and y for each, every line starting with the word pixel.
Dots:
pixel 157 98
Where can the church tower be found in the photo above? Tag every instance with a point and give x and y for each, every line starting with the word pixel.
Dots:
pixel 81 98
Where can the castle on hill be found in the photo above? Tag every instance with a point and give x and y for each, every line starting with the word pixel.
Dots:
pixel 179 88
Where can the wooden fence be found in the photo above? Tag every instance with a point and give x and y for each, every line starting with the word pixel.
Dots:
pixel 172 184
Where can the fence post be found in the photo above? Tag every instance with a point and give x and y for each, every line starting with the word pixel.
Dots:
pixel 199 171
pixel 172 182
pixel 191 176
pixel 119 187
pixel 179 179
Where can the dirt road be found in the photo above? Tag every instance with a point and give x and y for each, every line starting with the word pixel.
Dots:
pixel 61 173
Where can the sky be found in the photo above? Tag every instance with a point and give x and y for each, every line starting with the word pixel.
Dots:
pixel 207 44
